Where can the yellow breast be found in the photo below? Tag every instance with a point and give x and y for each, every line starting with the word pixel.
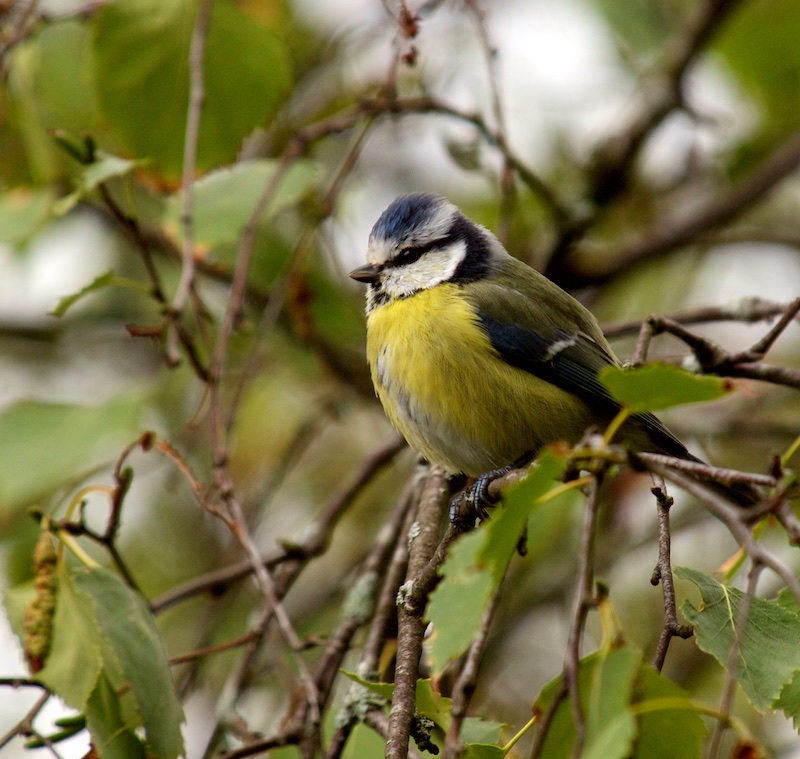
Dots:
pixel 450 394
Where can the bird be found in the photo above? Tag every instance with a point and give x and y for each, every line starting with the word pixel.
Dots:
pixel 478 359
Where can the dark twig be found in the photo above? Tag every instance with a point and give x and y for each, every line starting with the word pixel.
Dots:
pixel 24 24
pixel 25 726
pixel 721 207
pixel 613 161
pixel 708 472
pixel 746 310
pixel 733 518
pixel 384 614
pixel 663 574
pixel 411 625
pixel 715 360
pixel 380 723
pixel 584 600
pixel 543 726
pixel 294 556
pixel 558 209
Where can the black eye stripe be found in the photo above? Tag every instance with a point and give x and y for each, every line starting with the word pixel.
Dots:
pixel 414 253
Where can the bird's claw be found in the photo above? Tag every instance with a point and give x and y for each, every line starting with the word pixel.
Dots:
pixel 474 501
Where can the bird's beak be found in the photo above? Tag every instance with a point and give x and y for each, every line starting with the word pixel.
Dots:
pixel 366 273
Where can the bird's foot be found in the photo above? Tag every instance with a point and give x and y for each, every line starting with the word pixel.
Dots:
pixel 473 502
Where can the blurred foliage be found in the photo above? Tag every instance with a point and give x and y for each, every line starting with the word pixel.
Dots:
pixel 139 410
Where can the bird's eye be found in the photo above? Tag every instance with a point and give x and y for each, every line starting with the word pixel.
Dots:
pixel 414 253
pixel 408 256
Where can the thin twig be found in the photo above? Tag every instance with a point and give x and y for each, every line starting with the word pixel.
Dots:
pixel 543 726
pixel 384 616
pixel 25 726
pixel 746 310
pixel 733 519
pixel 663 574
pixel 490 54
pixel 411 625
pixel 713 359
pixel 296 555
pixel 21 29
pixel 708 472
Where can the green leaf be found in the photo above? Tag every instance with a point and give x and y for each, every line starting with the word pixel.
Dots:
pixel 385 690
pixel 610 726
pixel 140 58
pixel 44 445
pixel 480 751
pixel 769 658
pixel 480 731
pixel 111 734
pixel 560 737
pixel 457 604
pixel 629 709
pixel 789 700
pixel 108 279
pixel 224 200
pixel 363 743
pixel 107 658
pixel 675 717
pixel 478 561
pixel 74 663
pixel 127 631
pixel 101 170
pixel 61 87
pixel 503 530
pixel 614 740
pixel 660 386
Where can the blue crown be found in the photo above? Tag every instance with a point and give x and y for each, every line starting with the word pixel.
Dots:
pixel 404 215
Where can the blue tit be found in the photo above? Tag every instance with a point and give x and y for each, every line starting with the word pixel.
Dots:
pixel 478 359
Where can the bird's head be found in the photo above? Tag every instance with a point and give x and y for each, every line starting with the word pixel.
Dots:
pixel 420 241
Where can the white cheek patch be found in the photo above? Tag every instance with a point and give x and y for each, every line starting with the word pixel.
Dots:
pixel 433 268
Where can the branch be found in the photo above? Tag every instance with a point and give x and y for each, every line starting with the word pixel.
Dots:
pixel 715 360
pixel 746 310
pixel 663 574
pixel 411 625
pixel 613 161
pixel 295 556
pixel 379 630
pixel 733 519
pixel 723 206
